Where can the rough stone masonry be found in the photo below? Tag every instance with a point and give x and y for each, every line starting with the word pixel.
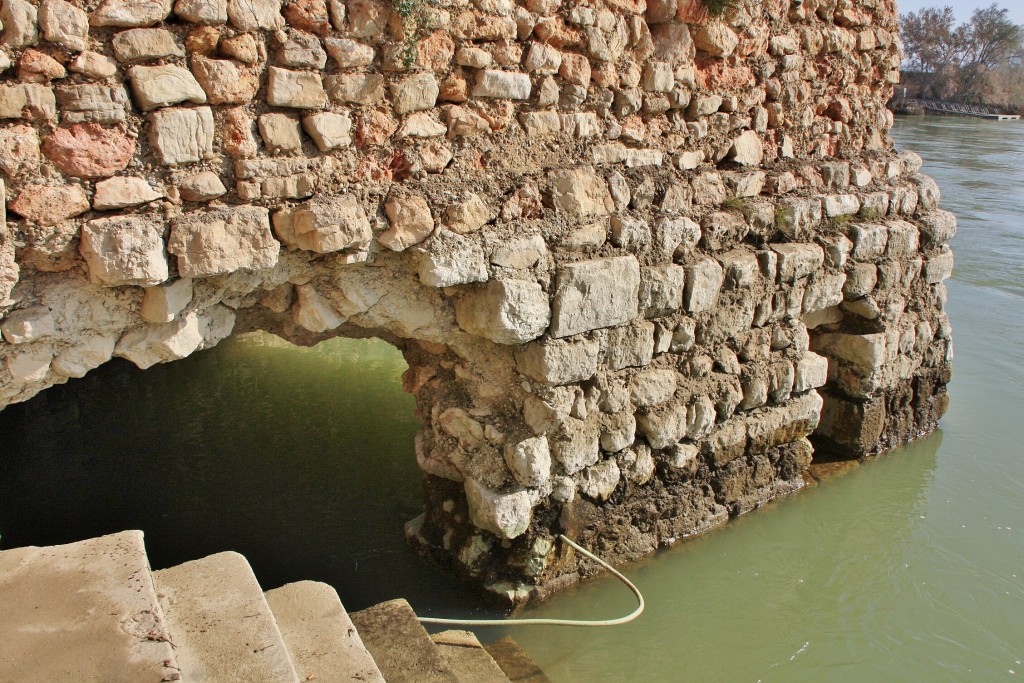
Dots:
pixel 637 258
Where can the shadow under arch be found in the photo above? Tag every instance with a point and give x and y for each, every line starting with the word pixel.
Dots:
pixel 300 458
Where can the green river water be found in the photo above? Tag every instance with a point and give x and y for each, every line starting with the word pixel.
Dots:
pixel 908 568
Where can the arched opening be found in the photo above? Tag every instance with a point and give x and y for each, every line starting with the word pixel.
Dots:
pixel 300 458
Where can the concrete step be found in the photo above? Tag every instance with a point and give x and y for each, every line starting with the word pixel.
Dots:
pixel 401 646
pixel 82 611
pixel 321 639
pixel 220 624
pixel 515 662
pixel 469 659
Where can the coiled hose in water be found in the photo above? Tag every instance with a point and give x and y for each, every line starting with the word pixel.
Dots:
pixel 556 622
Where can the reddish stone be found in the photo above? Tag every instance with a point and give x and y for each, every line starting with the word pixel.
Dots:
pixel 88 150
pixel 692 11
pixel 575 69
pixel 39 67
pixel 454 90
pixel 435 52
pixel 49 205
pixel 308 15
pixel 714 74
pixel 555 33
pixel 203 41
pixel 375 128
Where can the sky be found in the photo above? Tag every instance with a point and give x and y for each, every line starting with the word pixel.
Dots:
pixel 964 8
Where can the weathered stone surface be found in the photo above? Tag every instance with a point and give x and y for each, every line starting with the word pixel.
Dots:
pixel 559 362
pixel 30 365
pixel 349 53
pixel 410 220
pixel 324 225
pixel 328 130
pixel 653 387
pixel 64 24
pixel 130 13
pixel 49 204
pixel 202 11
pixel 581 192
pixel 163 303
pixel 630 346
pixel 28 325
pixel 504 311
pixel 280 132
pixel 355 88
pixel 201 187
pixel 225 81
pixel 414 93
pixel 19 150
pixel 19 22
pixel 448 259
pixel 506 515
pixel 811 372
pixel 661 290
pixel 467 216
pixel 121 192
pixel 88 150
pixel 218 241
pixel 126 250
pixel 297 89
pixel 92 103
pixel 747 149
pixel 797 261
pixel 253 15
pixel 181 136
pixel 599 481
pixel 160 86
pixel 704 280
pixel 27 100
pixel 593 294
pixel 530 461
pixel 503 85
pixel 715 38
pixel 93 65
pixel 866 351
pixel 145 44
pixel 313 312
pixel 149 345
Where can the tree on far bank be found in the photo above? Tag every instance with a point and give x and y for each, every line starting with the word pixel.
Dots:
pixel 980 61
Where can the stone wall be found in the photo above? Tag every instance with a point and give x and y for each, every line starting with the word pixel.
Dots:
pixel 634 255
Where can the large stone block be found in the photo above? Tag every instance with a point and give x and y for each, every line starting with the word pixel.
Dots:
pixel 449 259
pixel 181 136
pixel 124 250
pixel 325 225
pixel 152 344
pixel 160 86
pixel 559 362
pixel 220 241
pixel 704 279
pixel 530 461
pixel 506 515
pixel 581 192
pixel 866 351
pixel 629 346
pixel 590 295
pixel 796 261
pixel 661 290
pixel 504 311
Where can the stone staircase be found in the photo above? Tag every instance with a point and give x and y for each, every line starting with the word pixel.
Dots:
pixel 93 611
